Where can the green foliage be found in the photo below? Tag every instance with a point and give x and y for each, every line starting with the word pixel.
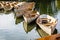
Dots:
pixel 58 4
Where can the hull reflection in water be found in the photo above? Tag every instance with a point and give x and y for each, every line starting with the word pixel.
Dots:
pixel 8 12
pixel 18 20
pixel 28 27
pixel 43 33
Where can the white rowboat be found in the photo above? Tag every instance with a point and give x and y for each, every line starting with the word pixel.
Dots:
pixel 46 23
pixel 29 17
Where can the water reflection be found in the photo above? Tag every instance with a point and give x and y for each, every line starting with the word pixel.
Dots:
pixel 10 31
pixel 19 20
pixel 28 27
pixel 7 12
pixel 43 33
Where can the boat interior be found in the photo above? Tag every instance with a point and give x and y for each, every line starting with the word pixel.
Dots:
pixel 46 22
pixel 30 14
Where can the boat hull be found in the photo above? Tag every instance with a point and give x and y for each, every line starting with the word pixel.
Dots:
pixel 48 29
pixel 8 9
pixel 29 20
pixel 24 6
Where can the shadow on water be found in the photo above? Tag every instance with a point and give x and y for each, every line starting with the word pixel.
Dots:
pixel 43 33
pixel 28 27
pixel 8 12
pixel 5 12
pixel 1 10
pixel 55 31
pixel 18 20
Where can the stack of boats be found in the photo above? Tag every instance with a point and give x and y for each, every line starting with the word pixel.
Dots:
pixel 7 5
pixel 44 21
pixel 22 8
pixel 26 9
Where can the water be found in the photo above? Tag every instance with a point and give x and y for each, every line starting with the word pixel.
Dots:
pixel 58 24
pixel 12 28
pixel 9 30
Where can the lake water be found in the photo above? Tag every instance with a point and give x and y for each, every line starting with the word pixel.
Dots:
pixel 9 30
pixel 12 28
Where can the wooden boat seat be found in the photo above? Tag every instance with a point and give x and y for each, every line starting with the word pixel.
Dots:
pixel 47 23
pixel 44 22
pixel 32 15
pixel 50 24
pixel 29 14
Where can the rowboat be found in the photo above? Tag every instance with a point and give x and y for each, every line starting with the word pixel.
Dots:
pixel 14 3
pixel 7 6
pixel 52 37
pixel 30 16
pixel 46 23
pixel 27 6
pixel 17 7
pixel 21 8
pixel 24 6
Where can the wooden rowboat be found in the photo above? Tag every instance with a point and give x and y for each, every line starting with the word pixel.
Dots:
pixel 46 23
pixel 30 16
pixel 24 6
pixel 7 6
pixel 14 3
pixel 52 37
